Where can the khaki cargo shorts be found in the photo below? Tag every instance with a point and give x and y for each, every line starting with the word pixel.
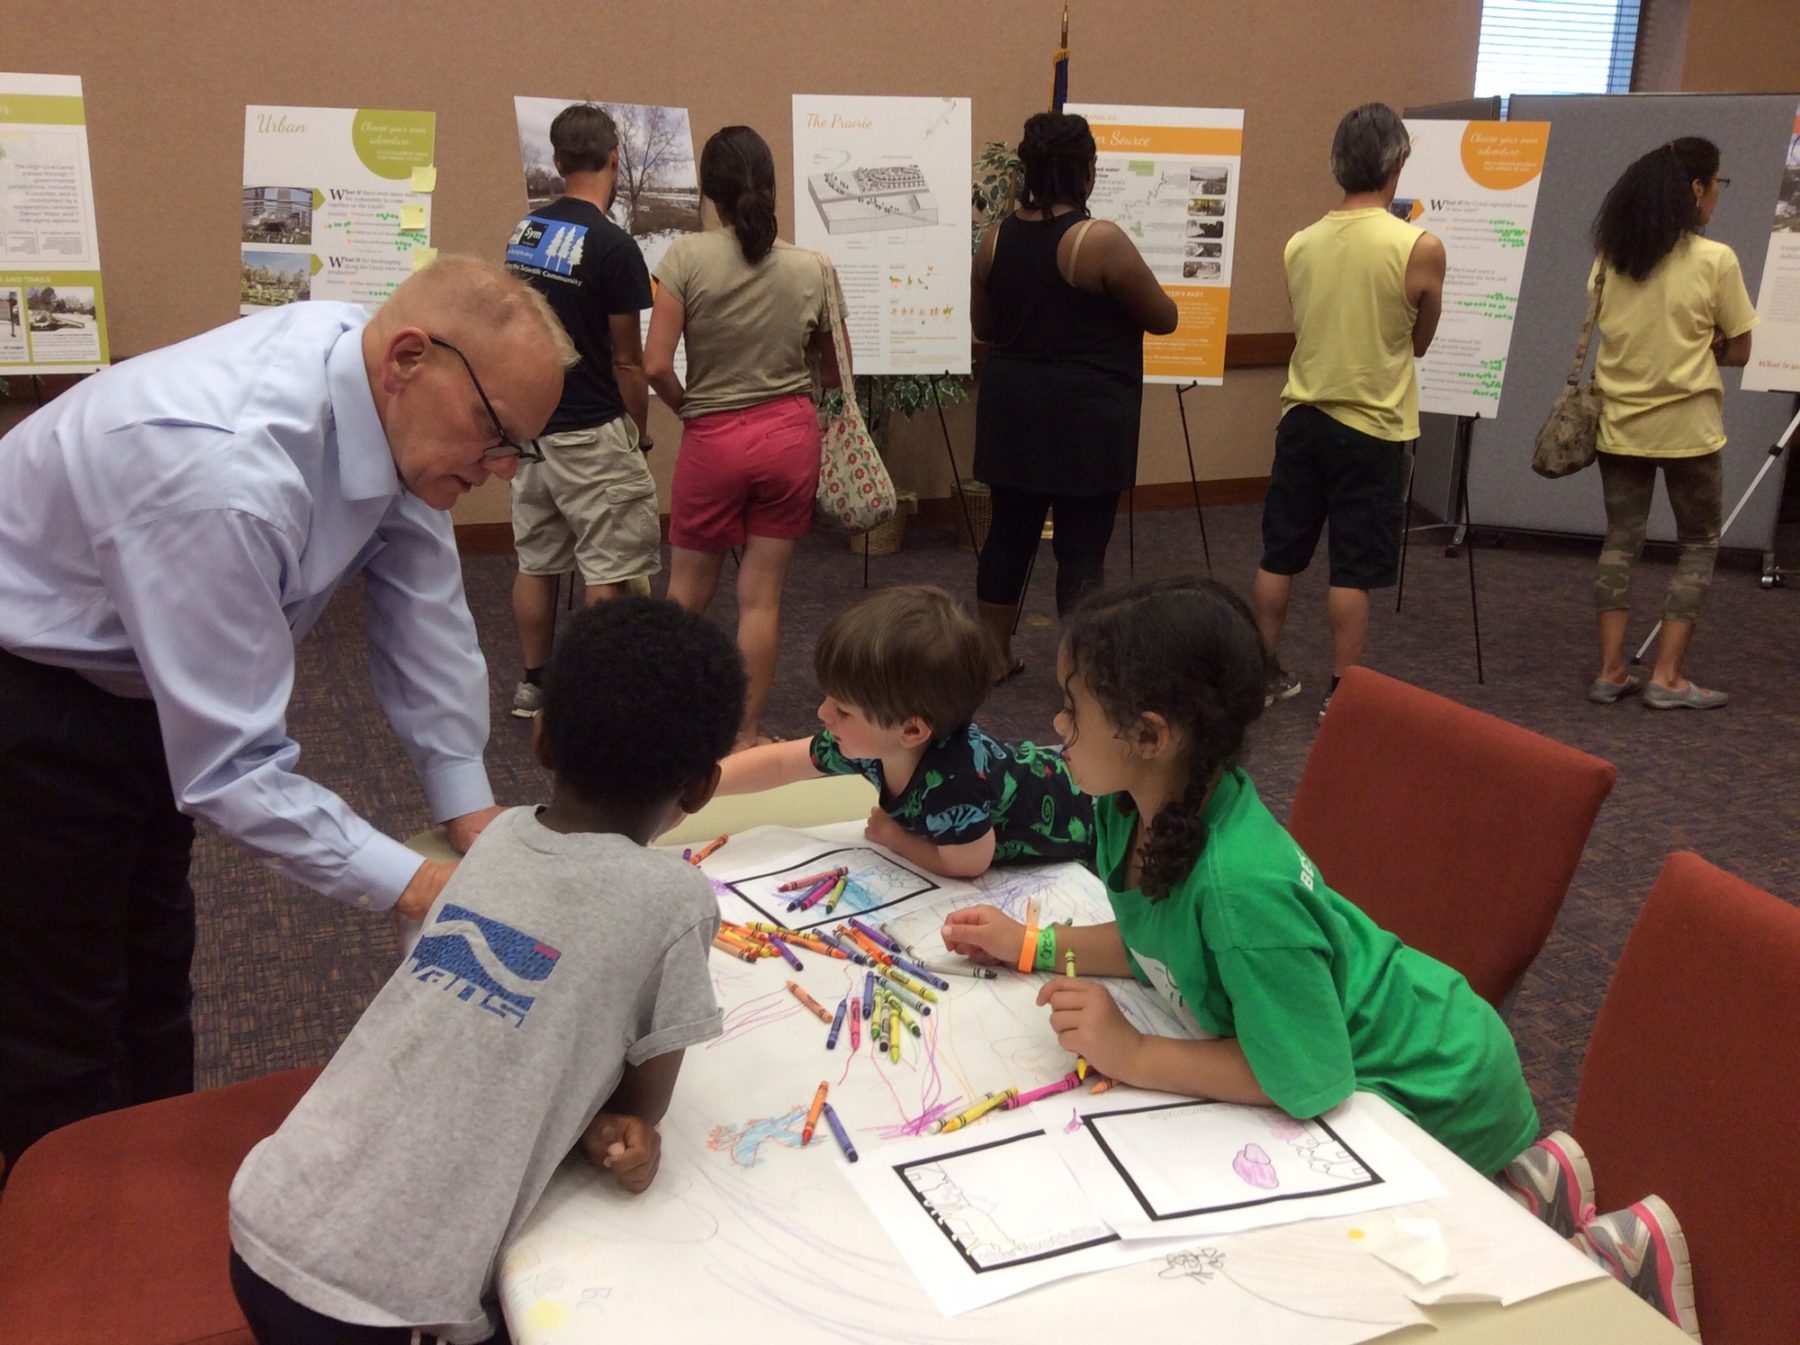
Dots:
pixel 590 504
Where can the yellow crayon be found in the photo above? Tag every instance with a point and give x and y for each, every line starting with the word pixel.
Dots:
pixel 912 1024
pixel 974 1113
pixel 893 1031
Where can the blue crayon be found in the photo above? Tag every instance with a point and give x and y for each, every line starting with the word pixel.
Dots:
pixel 914 969
pixel 868 1004
pixel 837 1024
pixel 843 1136
pixel 848 949
pixel 788 953
pixel 807 895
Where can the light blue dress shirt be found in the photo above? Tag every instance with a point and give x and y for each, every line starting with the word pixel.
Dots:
pixel 172 527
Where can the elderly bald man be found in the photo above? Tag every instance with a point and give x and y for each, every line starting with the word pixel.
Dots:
pixel 169 530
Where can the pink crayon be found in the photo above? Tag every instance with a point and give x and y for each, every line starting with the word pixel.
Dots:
pixel 855 1030
pixel 812 894
pixel 1062 1085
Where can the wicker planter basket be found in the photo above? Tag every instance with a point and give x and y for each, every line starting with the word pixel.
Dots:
pixel 979 501
pixel 883 539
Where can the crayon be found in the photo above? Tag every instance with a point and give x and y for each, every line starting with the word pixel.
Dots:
pixel 899 942
pixel 893 1031
pixel 785 951
pixel 837 1022
pixel 891 945
pixel 796 884
pixel 1102 1084
pixel 1081 1064
pixel 734 950
pixel 818 894
pixel 850 951
pixel 705 852
pixel 868 1005
pixel 811 894
pixel 687 856
pixel 973 969
pixel 975 1112
pixel 795 989
pixel 903 995
pixel 837 893
pixel 906 982
pixel 843 1136
pixel 855 1029
pixel 817 945
pixel 907 1021
pixel 1062 1085
pixel 914 969
pixel 812 1113
pixel 872 950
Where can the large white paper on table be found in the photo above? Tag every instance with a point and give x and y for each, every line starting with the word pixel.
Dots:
pixel 1157 1166
pixel 989 1211
pixel 1474 184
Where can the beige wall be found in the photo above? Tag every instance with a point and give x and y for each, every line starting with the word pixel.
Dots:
pixel 166 85
pixel 1742 46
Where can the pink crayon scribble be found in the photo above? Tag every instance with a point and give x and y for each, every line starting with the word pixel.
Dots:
pixel 1074 1122
pixel 1254 1166
pixel 1286 1128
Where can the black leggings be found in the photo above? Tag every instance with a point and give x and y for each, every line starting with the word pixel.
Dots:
pixel 1084 525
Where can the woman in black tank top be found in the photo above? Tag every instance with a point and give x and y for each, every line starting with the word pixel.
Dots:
pixel 1065 302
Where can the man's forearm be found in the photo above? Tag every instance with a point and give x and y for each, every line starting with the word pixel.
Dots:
pixel 634 391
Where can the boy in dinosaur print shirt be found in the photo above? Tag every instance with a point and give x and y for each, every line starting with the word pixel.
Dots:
pixel 903 673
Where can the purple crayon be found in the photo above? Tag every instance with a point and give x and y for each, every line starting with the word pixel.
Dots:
pixel 868 1004
pixel 844 946
pixel 876 935
pixel 914 969
pixel 812 894
pixel 837 1024
pixel 785 951
pixel 843 1136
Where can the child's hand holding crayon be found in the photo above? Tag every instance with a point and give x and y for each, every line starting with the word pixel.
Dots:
pixel 629 1146
pixel 982 934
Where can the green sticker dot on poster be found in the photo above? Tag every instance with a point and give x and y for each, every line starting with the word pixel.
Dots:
pixel 392 144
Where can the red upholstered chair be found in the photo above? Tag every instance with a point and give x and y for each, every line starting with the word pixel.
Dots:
pixel 1455 830
pixel 113 1229
pixel 1691 1086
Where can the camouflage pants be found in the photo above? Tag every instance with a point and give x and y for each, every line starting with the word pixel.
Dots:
pixel 1695 490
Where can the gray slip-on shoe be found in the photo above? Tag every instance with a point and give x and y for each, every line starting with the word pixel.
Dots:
pixel 1691 697
pixel 1602 692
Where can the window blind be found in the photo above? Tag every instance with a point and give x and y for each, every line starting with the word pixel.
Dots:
pixel 1556 46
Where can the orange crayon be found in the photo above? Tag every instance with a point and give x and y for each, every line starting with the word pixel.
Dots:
pixel 812 1112
pixel 706 850
pixel 799 993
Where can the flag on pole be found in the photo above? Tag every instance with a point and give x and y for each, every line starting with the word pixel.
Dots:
pixel 1059 67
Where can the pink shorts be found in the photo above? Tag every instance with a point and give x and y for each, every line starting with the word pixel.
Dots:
pixel 750 472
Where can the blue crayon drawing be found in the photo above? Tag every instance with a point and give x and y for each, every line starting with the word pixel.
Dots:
pixel 483 962
pixel 744 1143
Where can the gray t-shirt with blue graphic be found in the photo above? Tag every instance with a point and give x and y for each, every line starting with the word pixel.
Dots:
pixel 549 962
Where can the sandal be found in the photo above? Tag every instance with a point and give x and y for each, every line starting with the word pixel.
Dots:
pixel 1018 666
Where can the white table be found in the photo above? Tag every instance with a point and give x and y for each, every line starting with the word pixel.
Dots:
pixel 800 1258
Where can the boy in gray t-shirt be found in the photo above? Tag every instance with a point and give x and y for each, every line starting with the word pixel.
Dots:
pixel 555 983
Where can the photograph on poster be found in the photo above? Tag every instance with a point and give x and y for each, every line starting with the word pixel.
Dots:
pixel 69 308
pixel 277 215
pixel 1209 181
pixel 270 279
pixel 1787 204
pixel 1213 206
pixel 659 185
pixel 873 197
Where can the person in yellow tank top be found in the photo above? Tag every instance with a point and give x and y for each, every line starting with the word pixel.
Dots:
pixel 1367 289
pixel 1673 309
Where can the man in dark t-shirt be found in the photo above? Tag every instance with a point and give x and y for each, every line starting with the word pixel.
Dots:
pixel 591 503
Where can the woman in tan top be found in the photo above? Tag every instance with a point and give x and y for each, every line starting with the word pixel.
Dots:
pixel 751 308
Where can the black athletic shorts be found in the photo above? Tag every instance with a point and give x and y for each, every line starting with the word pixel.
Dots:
pixel 1323 471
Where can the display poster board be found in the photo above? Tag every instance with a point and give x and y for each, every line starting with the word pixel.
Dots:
pixel 52 305
pixel 1474 184
pixel 336 204
pixel 656 201
pixel 1169 177
pixel 882 188
pixel 1775 349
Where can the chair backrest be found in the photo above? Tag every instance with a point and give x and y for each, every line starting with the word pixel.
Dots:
pixel 1691 1086
pixel 113 1229
pixel 1455 830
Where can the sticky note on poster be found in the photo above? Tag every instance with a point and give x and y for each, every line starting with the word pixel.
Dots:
pixel 424 179
pixel 423 257
pixel 412 217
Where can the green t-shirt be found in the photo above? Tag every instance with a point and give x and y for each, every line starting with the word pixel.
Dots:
pixel 1253 945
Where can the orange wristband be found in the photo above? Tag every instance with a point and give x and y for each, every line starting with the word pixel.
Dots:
pixel 1028 953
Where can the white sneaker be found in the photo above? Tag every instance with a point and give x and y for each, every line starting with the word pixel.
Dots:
pixel 527 700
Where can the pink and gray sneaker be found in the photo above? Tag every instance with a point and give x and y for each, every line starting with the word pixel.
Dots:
pixel 1553 1181
pixel 1643 1247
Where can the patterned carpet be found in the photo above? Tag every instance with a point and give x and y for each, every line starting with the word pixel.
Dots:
pixel 281 975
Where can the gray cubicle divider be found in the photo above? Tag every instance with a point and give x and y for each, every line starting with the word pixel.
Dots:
pixel 1592 139
pixel 1434 482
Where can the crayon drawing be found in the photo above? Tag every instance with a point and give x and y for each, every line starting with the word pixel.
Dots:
pixel 744 1143
pixel 874 881
pixel 1194 1158
pixel 1004 1203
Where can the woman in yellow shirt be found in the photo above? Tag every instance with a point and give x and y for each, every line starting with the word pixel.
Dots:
pixel 1673 309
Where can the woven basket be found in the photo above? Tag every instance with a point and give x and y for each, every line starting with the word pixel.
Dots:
pixel 883 539
pixel 979 501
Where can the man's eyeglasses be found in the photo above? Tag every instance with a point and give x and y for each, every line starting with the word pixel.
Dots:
pixel 508 447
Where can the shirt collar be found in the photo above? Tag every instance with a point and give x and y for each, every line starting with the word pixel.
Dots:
pixel 366 468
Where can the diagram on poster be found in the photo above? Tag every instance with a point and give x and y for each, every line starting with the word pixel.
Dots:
pixel 52 304
pixel 1168 176
pixel 336 203
pixel 1775 353
pixel 1474 184
pixel 1156 1165
pixel 657 196
pixel 881 180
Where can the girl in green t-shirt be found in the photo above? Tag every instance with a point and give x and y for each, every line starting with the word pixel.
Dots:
pixel 1306 998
